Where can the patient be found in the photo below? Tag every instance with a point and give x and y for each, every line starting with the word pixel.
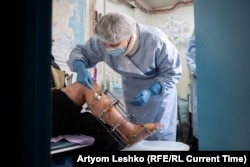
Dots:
pixel 67 104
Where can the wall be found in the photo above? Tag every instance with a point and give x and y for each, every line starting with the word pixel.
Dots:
pixel 222 37
pixel 68 29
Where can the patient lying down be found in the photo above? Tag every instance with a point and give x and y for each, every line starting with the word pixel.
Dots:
pixel 76 95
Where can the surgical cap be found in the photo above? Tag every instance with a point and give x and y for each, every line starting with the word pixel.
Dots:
pixel 114 27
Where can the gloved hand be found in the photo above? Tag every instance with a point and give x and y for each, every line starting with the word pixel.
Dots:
pixel 143 96
pixel 83 75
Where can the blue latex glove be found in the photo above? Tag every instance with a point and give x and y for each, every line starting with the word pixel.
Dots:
pixel 83 75
pixel 143 96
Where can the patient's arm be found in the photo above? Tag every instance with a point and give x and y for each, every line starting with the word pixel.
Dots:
pixel 102 108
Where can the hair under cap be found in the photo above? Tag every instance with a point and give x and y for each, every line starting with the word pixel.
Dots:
pixel 115 27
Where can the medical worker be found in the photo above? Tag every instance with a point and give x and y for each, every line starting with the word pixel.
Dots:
pixel 191 62
pixel 148 62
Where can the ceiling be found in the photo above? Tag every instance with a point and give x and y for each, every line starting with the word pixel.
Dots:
pixel 159 3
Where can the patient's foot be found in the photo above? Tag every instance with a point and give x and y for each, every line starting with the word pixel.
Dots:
pixel 141 132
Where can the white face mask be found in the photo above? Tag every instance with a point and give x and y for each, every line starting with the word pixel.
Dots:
pixel 117 51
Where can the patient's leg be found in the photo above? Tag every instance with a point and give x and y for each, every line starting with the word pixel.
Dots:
pixel 101 107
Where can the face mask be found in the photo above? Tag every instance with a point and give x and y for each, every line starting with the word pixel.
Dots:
pixel 116 51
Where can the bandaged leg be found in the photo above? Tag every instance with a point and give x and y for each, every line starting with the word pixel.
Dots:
pixel 102 107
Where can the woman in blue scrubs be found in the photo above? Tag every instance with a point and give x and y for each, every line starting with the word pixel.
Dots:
pixel 148 62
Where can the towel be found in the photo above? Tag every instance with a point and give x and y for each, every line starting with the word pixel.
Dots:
pixel 79 139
